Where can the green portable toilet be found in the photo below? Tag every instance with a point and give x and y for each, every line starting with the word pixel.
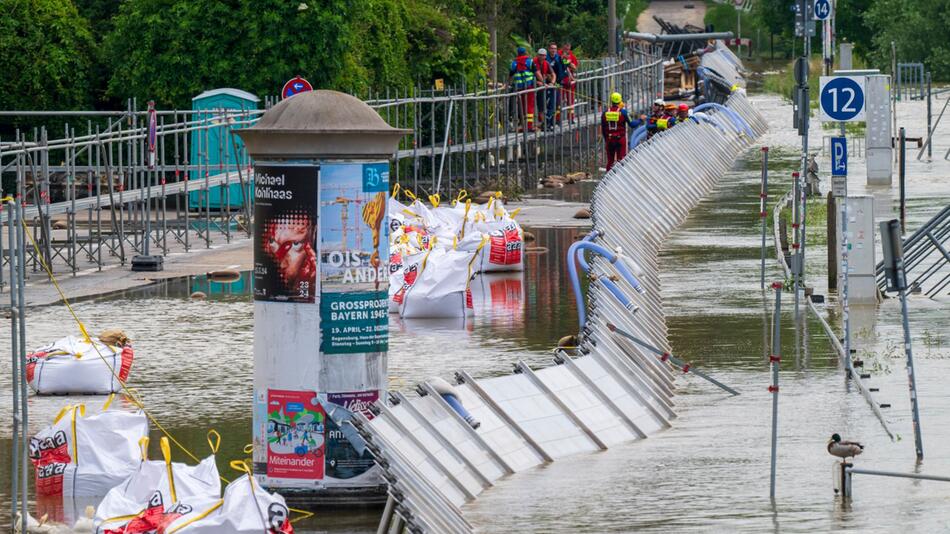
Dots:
pixel 216 147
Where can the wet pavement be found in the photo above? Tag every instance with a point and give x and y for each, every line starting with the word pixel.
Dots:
pixel 708 473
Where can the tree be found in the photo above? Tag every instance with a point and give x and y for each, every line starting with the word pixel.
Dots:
pixel 46 51
pixel 919 30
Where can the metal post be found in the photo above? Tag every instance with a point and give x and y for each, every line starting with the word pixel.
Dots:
pixel 14 284
pixel 929 119
pixel 796 239
pixel 20 315
pixel 774 360
pixel 612 27
pixel 845 306
pixel 901 171
pixel 911 378
pixel 763 199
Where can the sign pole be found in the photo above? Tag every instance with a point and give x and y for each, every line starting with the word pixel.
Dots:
pixel 839 180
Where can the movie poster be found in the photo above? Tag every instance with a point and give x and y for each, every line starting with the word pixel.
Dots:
pixel 295 435
pixel 343 460
pixel 354 252
pixel 285 223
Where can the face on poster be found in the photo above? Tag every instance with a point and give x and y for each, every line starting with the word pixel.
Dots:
pixel 295 435
pixel 354 252
pixel 285 226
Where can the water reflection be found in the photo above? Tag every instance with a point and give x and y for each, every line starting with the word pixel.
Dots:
pixel 194 358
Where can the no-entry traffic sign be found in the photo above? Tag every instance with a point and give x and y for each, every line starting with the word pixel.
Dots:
pixel 842 98
pixel 294 86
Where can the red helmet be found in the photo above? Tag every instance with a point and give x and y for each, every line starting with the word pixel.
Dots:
pixel 684 107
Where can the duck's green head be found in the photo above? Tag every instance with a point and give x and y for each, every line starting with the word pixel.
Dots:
pixel 835 438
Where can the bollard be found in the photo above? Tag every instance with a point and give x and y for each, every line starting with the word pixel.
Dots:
pixel 774 360
pixel 763 199
pixel 320 312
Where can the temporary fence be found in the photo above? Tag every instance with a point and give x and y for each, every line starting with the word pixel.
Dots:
pixel 926 255
pixel 163 179
pixel 442 448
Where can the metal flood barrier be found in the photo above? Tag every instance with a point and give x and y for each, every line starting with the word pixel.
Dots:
pixel 930 242
pixel 605 391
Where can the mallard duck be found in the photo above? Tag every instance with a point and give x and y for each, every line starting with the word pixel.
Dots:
pixel 843 449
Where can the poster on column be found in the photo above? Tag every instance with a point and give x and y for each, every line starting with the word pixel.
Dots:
pixel 295 435
pixel 285 221
pixel 346 460
pixel 354 252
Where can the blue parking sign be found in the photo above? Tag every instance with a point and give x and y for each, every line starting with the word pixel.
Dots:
pixel 839 156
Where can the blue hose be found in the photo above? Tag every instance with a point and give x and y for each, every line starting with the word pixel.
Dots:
pixel 736 119
pixel 575 254
pixel 637 136
pixel 703 117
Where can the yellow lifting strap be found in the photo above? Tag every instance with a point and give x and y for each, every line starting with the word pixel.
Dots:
pixel 409 194
pixel 396 189
pixel 167 455
pixel 463 194
pixel 434 200
pixel 143 447
pixel 214 441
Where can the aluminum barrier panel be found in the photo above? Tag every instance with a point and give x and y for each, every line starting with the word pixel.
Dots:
pixel 610 390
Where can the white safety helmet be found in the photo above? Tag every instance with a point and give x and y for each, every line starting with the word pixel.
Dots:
pixel 542 52
pixel 659 102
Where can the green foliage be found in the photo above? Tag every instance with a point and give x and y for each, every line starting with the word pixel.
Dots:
pixel 46 52
pixel 919 29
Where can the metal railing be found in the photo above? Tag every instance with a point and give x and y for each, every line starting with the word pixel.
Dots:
pixel 926 254
pixel 97 197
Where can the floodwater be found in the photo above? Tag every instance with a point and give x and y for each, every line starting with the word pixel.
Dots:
pixel 708 473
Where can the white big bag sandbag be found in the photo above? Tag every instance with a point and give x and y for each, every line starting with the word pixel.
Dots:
pixel 86 455
pixel 245 509
pixel 74 366
pixel 441 287
pixel 153 489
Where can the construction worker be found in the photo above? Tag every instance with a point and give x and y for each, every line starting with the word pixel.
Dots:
pixel 613 126
pixel 682 113
pixel 560 75
pixel 522 77
pixel 659 118
pixel 567 91
pixel 543 68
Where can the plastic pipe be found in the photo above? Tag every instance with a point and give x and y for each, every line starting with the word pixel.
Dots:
pixel 738 121
pixel 456 405
pixel 637 137
pixel 611 256
pixel 705 117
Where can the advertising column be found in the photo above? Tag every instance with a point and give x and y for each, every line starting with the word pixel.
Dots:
pixel 321 320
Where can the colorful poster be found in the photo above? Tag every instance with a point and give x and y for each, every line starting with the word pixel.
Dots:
pixel 285 228
pixel 295 428
pixel 343 461
pixel 354 253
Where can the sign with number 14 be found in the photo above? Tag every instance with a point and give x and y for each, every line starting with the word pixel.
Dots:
pixel 821 9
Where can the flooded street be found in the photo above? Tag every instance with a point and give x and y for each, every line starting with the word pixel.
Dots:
pixel 709 472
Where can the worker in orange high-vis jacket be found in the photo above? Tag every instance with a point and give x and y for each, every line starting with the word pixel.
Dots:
pixel 613 125
pixel 522 77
